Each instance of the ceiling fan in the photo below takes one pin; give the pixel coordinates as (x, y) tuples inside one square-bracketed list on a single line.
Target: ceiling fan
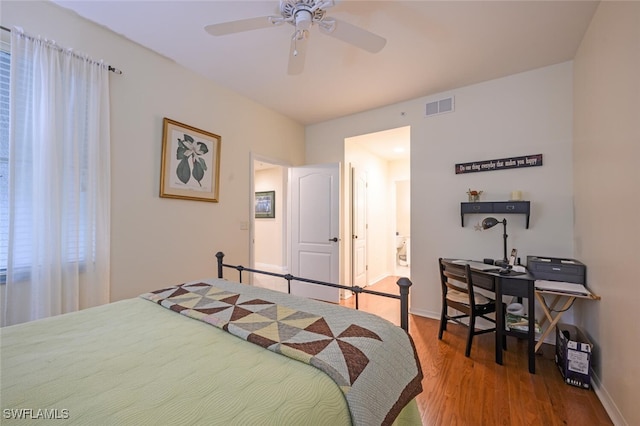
[(302, 15)]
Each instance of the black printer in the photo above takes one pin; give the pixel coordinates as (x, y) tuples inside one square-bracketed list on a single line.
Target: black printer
[(557, 269)]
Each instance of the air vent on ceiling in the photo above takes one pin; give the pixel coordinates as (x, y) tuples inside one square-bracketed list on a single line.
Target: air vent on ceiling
[(439, 107)]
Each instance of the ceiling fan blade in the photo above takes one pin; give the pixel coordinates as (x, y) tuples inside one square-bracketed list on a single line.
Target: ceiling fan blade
[(241, 25), (297, 55), (351, 34)]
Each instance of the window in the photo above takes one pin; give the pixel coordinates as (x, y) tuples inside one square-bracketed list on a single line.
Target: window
[(4, 161), (75, 224), (77, 236), (56, 240)]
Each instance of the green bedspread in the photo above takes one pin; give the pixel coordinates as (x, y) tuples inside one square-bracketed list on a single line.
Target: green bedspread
[(135, 363)]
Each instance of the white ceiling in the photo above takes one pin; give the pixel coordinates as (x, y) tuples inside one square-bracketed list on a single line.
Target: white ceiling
[(432, 46)]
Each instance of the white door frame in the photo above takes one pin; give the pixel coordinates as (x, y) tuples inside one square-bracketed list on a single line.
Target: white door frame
[(359, 227)]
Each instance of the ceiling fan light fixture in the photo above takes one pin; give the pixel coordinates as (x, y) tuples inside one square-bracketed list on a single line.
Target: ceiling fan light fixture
[(299, 12), (304, 19)]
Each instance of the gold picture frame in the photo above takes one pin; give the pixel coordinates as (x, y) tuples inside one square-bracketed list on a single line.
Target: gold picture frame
[(190, 163)]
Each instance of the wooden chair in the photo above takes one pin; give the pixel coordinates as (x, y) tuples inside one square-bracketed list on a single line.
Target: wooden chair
[(458, 293)]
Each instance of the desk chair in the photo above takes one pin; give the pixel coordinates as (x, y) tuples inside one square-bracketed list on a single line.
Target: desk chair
[(458, 293)]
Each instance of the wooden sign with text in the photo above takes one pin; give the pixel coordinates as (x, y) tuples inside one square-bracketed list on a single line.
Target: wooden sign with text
[(500, 164)]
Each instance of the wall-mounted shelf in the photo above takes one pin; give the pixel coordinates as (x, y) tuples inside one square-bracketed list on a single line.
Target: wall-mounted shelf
[(500, 207)]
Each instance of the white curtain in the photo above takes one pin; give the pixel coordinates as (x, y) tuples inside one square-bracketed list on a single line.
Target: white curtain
[(59, 182)]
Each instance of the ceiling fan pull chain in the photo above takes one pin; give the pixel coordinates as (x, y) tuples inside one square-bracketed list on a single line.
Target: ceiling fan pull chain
[(295, 43), (298, 35)]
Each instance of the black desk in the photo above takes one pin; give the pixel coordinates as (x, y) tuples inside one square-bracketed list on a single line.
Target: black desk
[(507, 285)]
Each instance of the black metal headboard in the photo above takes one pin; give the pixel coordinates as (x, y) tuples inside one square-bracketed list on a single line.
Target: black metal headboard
[(403, 285)]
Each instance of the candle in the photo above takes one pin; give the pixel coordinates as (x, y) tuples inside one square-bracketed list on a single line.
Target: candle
[(516, 195)]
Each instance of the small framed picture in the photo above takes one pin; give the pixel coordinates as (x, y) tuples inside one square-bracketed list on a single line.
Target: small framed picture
[(512, 258), (190, 163), (265, 205)]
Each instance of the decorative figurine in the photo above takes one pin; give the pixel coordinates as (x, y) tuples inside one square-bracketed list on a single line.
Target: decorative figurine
[(474, 195)]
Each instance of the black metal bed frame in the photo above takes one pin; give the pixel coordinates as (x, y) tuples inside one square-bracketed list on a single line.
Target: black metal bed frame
[(403, 285)]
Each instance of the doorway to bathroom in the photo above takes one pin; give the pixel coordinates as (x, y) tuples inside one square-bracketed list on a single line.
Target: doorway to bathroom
[(382, 161)]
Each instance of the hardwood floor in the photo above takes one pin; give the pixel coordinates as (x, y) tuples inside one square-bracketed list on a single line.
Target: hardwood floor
[(477, 391)]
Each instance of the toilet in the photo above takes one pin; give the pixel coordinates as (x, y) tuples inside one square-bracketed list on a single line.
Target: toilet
[(402, 250)]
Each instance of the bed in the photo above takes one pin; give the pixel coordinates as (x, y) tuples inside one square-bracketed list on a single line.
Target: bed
[(210, 352)]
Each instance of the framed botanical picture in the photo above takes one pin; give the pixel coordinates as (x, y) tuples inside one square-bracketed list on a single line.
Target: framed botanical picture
[(190, 163), (265, 205)]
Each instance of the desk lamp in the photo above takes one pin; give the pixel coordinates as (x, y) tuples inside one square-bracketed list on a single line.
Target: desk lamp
[(490, 222)]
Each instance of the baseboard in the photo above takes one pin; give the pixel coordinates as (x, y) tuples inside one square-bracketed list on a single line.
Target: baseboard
[(379, 278), (426, 314), (607, 402)]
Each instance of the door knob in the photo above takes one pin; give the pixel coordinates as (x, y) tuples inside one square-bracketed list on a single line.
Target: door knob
[(334, 239)]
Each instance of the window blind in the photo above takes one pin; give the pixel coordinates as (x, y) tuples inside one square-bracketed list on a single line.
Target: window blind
[(4, 160)]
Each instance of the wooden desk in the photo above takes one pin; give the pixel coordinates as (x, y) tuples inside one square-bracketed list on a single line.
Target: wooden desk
[(522, 286)]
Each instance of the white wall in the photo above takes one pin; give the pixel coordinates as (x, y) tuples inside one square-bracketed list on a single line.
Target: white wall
[(607, 199), (156, 241), (400, 170), (527, 113)]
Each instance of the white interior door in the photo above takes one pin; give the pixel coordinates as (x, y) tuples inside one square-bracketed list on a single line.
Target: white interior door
[(358, 228), (315, 214)]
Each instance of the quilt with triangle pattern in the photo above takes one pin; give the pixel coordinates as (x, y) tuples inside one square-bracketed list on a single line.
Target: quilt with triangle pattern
[(372, 361)]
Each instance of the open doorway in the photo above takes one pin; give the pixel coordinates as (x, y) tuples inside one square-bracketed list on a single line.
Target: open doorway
[(268, 245), (295, 226), (384, 158)]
